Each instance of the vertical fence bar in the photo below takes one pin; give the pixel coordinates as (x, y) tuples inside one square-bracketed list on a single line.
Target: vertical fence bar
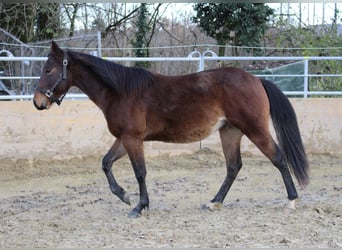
[(201, 64), (306, 77), (201, 60), (99, 47)]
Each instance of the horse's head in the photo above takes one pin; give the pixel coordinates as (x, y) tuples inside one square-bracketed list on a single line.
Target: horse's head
[(54, 81)]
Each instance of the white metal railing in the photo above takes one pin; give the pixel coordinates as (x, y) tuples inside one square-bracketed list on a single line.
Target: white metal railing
[(200, 58), (306, 74)]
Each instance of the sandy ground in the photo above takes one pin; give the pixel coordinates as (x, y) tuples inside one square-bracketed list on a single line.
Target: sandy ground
[(69, 204)]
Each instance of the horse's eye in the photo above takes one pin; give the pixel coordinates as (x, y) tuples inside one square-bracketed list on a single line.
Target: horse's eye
[(47, 71)]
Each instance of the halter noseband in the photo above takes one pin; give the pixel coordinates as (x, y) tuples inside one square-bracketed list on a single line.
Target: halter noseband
[(62, 76)]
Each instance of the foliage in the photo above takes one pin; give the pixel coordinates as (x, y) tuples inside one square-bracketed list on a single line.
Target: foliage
[(47, 21), (19, 26), (30, 21), (71, 10), (126, 26), (146, 28), (315, 41), (239, 24), (140, 43)]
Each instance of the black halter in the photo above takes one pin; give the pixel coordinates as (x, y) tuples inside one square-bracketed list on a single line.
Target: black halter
[(62, 76)]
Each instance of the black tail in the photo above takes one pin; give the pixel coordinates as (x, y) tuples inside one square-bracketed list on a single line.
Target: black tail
[(287, 131)]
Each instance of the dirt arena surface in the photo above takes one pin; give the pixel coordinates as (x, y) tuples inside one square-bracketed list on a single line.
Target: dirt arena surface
[(69, 204)]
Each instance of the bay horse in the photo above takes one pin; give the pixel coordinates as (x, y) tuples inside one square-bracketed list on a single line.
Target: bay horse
[(140, 105)]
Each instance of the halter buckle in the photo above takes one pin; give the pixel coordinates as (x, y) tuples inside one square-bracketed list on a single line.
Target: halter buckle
[(48, 93)]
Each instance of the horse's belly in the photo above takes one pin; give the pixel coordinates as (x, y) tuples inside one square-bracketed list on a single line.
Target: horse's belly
[(186, 133)]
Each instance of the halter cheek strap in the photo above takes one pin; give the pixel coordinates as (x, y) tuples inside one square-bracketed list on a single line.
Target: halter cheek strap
[(62, 77)]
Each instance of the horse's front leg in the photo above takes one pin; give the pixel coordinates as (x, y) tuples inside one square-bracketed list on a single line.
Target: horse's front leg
[(115, 152), (135, 152)]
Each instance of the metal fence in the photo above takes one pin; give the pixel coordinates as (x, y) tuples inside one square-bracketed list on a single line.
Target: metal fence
[(201, 59)]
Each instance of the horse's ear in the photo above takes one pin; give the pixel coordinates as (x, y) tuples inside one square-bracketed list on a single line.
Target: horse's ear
[(56, 50)]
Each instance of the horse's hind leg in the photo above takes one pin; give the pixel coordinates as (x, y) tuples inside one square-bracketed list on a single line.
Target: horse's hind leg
[(280, 162), (268, 146), (230, 139), (115, 152)]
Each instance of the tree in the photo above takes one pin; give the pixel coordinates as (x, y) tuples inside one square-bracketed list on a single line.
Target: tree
[(18, 19), (319, 40), (239, 24), (48, 25), (30, 22), (146, 28), (140, 44), (71, 10)]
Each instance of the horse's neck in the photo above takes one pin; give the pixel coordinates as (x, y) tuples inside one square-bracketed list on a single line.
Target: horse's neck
[(90, 85)]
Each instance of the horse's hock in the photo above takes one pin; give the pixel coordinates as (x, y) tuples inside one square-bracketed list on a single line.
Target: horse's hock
[(78, 129)]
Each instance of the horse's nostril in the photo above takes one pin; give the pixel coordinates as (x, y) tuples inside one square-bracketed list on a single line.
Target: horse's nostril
[(39, 107)]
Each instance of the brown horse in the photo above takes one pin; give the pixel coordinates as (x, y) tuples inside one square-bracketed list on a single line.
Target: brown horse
[(140, 105)]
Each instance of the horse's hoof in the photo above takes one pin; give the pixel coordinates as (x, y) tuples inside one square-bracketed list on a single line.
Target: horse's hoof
[(291, 205), (133, 214), (212, 206), (125, 199)]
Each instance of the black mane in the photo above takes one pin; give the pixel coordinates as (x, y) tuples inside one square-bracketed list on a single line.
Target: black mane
[(125, 80)]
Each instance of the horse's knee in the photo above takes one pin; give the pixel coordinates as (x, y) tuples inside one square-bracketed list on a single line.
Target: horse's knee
[(233, 169), (106, 163)]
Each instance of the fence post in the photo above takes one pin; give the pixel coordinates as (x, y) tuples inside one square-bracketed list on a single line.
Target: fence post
[(306, 77), (210, 52), (197, 53), (99, 43)]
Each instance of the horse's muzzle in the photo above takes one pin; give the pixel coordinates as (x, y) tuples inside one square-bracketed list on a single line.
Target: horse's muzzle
[(39, 107), (40, 101)]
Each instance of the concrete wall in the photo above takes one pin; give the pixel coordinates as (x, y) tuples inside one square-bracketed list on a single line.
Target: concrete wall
[(78, 129)]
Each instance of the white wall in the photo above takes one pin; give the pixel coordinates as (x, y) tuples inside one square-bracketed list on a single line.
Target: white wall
[(78, 129)]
